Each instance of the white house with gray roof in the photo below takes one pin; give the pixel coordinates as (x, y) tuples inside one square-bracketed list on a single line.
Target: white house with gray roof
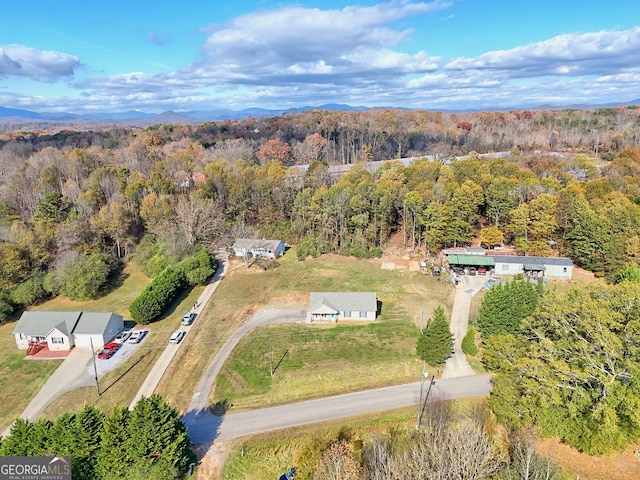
[(551, 267), (65, 330), (334, 306), (258, 247)]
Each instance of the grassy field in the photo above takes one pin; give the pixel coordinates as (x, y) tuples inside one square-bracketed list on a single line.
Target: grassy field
[(316, 361), (20, 379), (390, 342), (384, 354)]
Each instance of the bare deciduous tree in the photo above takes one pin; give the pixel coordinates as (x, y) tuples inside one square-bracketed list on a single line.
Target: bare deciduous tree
[(338, 462), (199, 220), (525, 463)]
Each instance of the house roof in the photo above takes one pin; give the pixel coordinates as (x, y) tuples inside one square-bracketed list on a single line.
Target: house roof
[(93, 322), (42, 322), (560, 261), (474, 250), (253, 243), (470, 260), (341, 301)]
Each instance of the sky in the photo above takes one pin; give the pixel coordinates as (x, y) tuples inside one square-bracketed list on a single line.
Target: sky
[(83, 56)]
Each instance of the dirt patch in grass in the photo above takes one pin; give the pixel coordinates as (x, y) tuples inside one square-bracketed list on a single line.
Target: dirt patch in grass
[(621, 466)]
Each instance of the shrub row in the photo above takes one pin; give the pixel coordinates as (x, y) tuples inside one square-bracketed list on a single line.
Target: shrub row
[(164, 289), (157, 296)]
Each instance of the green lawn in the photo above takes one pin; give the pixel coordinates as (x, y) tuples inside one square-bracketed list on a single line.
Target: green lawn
[(314, 361), (20, 379), (244, 291), (320, 359)]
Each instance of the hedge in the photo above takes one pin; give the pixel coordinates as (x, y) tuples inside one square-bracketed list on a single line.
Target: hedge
[(158, 295)]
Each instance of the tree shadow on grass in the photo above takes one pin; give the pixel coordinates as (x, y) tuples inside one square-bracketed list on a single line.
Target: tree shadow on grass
[(114, 282), (171, 308), (219, 409)]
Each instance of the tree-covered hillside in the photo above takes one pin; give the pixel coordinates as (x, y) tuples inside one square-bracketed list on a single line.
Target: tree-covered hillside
[(74, 205)]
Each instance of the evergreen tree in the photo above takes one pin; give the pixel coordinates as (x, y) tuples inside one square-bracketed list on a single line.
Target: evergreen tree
[(156, 433), (21, 442), (87, 430), (113, 458), (61, 436), (435, 343), (505, 306), (469, 342)]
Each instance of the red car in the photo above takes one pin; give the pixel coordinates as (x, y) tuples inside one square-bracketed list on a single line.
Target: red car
[(108, 350)]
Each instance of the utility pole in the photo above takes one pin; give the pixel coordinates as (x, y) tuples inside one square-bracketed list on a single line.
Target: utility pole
[(422, 319), (95, 368), (271, 358), (425, 374)]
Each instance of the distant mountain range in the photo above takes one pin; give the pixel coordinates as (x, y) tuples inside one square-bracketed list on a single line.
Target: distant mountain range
[(135, 117)]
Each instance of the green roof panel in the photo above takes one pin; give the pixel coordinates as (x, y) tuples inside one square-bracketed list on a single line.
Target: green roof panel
[(471, 260)]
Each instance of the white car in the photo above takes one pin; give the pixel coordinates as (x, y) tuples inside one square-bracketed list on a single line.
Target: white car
[(137, 336), (177, 336), (122, 336)]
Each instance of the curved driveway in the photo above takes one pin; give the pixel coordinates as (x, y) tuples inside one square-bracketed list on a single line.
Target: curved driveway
[(206, 430), (264, 317)]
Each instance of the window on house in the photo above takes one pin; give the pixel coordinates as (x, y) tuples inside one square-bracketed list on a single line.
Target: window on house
[(363, 314), (23, 336), (564, 269), (505, 267), (57, 340), (347, 314)]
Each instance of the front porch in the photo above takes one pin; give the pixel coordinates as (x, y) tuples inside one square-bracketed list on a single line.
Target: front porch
[(44, 353)]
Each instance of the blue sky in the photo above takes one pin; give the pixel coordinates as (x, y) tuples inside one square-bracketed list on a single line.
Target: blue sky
[(85, 56)]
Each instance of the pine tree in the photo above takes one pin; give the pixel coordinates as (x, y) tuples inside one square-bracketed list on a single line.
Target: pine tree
[(21, 441), (113, 459), (435, 343), (505, 306), (87, 431), (156, 433)]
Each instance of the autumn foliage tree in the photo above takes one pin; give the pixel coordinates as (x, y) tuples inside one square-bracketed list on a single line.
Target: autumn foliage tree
[(275, 150)]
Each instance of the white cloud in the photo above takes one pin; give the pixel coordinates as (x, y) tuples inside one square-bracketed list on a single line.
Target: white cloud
[(21, 61), (570, 54), (271, 44), (294, 56)]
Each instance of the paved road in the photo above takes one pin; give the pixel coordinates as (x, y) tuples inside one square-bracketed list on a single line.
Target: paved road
[(349, 405), (209, 433), (468, 286), (155, 375)]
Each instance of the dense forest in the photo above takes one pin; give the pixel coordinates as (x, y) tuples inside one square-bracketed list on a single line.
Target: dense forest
[(75, 205)]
